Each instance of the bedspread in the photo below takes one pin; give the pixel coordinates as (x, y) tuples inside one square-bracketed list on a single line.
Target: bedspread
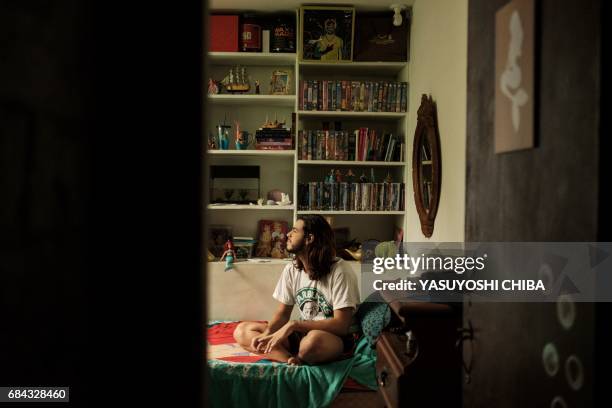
[(243, 379)]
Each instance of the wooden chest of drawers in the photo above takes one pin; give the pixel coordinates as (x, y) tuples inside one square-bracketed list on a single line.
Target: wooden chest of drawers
[(418, 362)]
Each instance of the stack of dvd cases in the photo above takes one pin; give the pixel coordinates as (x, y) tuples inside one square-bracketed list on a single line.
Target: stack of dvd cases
[(325, 196)]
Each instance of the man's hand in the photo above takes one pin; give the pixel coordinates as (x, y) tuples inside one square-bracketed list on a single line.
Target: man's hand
[(267, 343), (256, 341)]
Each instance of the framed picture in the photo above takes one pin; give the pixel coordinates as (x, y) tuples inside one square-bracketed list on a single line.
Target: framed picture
[(279, 84), (234, 184), (217, 237), (377, 39), (327, 33), (272, 239)]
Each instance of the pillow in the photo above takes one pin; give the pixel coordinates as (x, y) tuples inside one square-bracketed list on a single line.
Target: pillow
[(373, 316)]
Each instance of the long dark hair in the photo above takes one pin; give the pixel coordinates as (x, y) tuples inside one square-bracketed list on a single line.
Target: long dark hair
[(321, 253)]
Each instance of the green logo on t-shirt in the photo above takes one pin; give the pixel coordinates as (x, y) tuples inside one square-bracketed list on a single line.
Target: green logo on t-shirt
[(312, 303)]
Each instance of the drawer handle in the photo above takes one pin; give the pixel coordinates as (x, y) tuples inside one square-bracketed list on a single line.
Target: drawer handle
[(382, 378)]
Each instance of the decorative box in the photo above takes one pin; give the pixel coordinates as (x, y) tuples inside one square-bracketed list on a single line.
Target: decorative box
[(223, 33)]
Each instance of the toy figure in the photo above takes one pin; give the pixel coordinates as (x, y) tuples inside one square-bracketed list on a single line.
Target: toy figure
[(330, 178), (257, 87), (363, 178), (212, 142), (350, 176), (338, 176), (213, 89), (229, 255), (388, 179)]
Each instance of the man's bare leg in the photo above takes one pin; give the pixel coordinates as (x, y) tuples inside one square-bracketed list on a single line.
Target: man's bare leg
[(244, 334), (319, 346)]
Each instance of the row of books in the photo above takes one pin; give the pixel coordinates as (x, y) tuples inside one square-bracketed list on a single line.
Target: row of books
[(358, 96), (273, 139), (324, 196), (362, 144)]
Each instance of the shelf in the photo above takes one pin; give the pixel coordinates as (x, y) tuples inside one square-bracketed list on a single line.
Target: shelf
[(252, 58), (370, 69), (250, 207), (255, 261), (270, 100), (266, 153), (346, 114), (349, 163), (352, 212)]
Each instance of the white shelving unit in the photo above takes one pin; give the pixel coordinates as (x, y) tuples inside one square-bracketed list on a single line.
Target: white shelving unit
[(237, 100), (263, 153), (282, 169), (349, 163), (249, 207)]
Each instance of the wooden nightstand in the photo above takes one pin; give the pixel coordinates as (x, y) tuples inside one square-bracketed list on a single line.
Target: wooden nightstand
[(418, 362)]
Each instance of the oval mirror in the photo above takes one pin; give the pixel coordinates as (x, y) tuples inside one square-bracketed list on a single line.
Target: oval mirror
[(426, 165)]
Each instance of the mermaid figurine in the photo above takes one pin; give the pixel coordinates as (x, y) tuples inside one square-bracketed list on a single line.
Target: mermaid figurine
[(229, 255)]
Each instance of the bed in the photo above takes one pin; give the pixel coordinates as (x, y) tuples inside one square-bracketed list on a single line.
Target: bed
[(243, 379)]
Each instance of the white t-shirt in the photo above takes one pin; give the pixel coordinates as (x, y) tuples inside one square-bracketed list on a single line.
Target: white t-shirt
[(317, 299)]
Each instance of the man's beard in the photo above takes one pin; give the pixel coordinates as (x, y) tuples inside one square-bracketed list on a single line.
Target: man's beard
[(296, 249)]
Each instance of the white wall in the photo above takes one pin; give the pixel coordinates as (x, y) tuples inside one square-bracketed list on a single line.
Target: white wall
[(438, 67)]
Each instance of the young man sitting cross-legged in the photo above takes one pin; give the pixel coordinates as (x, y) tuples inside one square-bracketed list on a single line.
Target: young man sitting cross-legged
[(326, 293)]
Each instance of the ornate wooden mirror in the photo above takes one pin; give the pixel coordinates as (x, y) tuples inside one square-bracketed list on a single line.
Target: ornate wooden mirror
[(426, 165)]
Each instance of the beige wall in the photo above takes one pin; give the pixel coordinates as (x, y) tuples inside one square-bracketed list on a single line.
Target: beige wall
[(245, 293), (438, 67)]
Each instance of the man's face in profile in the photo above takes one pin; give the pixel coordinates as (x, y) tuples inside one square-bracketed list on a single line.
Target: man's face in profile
[(295, 238)]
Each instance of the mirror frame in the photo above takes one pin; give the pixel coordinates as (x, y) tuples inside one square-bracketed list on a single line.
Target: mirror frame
[(427, 127)]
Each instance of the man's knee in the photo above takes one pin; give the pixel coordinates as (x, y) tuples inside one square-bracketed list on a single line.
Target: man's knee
[(311, 345), (240, 333)]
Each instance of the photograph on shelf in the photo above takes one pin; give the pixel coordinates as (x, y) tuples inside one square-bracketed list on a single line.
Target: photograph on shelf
[(327, 33), (272, 239), (218, 235), (279, 83)]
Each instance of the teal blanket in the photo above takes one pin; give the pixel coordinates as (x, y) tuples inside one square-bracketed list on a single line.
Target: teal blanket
[(280, 385)]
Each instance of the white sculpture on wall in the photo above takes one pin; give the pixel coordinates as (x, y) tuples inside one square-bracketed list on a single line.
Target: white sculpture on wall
[(510, 80)]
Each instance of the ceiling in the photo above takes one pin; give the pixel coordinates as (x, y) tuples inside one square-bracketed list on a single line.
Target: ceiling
[(290, 5)]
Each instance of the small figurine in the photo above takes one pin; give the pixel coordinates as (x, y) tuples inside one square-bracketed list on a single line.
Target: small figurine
[(212, 142), (285, 199), (363, 178), (388, 179), (213, 89), (257, 87), (229, 255), (350, 176), (330, 177), (338, 176)]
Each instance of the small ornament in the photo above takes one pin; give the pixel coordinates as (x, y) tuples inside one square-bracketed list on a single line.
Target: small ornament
[(363, 178), (257, 87), (229, 254), (212, 142), (338, 176), (388, 179), (350, 176), (213, 88)]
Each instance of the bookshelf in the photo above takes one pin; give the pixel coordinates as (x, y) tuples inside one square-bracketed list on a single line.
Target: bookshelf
[(285, 169)]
